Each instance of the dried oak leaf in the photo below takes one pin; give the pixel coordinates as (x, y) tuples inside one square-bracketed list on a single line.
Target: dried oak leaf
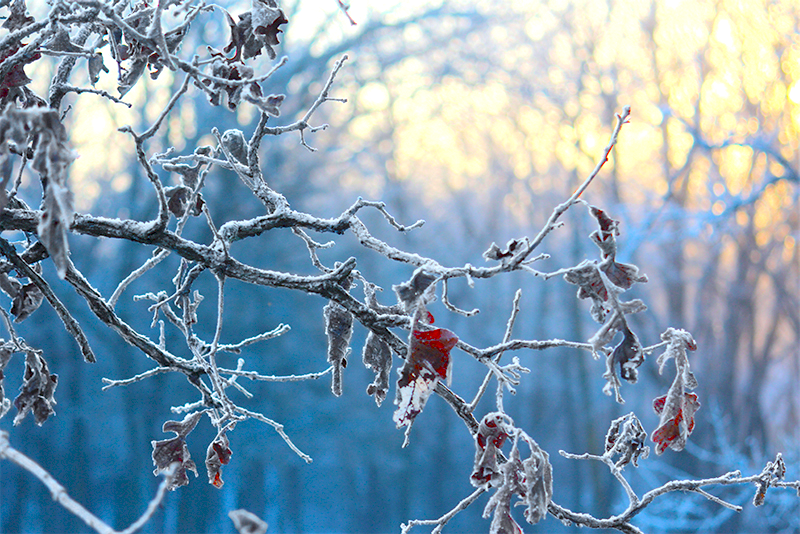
[(179, 199), (15, 76), (494, 429), (9, 285), (217, 455), (26, 301), (168, 451), (427, 363), (377, 356), (622, 275), (61, 41), (137, 56), (409, 293), (19, 17), (95, 66), (628, 355), (234, 142), (36, 391), (256, 30), (677, 420), (271, 105), (224, 68), (500, 503), (247, 522), (626, 436), (772, 472), (505, 255), (538, 482), (339, 328), (590, 285), (530, 479)]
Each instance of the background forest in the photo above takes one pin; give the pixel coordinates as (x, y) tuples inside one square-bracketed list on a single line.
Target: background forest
[(477, 117)]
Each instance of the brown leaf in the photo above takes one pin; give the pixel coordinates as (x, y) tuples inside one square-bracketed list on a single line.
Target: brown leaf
[(628, 355), (37, 390), (377, 356), (168, 451), (626, 436), (677, 420), (409, 293), (7, 349), (339, 328), (19, 17), (26, 301)]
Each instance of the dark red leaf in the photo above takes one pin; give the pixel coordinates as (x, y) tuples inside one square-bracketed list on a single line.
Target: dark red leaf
[(428, 362), (217, 455), (493, 431)]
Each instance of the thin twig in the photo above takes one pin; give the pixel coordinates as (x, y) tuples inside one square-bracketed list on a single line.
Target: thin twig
[(278, 428)]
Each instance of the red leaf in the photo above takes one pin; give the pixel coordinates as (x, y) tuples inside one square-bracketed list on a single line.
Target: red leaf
[(492, 433), (428, 362), (217, 455), (670, 432)]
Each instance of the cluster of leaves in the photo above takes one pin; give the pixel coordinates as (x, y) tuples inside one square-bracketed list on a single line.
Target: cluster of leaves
[(531, 480), (603, 281), (37, 392)]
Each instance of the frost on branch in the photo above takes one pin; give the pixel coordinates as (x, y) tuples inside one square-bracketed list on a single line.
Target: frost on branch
[(217, 455), (677, 408), (427, 363), (339, 328), (377, 356), (168, 451)]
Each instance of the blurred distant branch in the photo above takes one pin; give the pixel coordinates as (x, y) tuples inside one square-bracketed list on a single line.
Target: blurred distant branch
[(60, 495)]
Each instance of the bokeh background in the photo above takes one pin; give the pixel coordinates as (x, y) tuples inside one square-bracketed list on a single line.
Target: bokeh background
[(478, 117)]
